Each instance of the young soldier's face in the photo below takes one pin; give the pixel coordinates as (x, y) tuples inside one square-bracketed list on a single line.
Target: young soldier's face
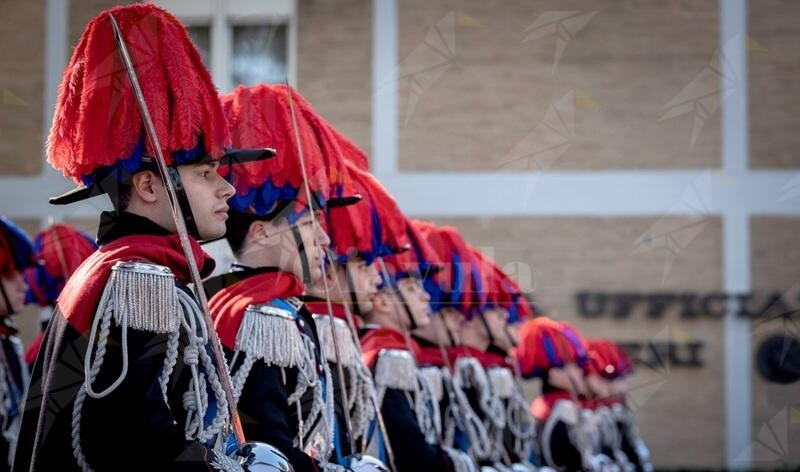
[(569, 378), (313, 241), (14, 287), (208, 194), (365, 283), (446, 319), (597, 385), (452, 319), (618, 387), (416, 299), (496, 319)]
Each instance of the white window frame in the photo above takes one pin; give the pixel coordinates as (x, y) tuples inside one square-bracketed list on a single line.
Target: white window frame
[(223, 15)]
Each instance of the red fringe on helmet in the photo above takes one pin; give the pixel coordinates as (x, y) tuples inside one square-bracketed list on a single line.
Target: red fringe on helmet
[(336, 149), (97, 121), (424, 255), (456, 247), (500, 290), (543, 344), (393, 235), (350, 227), (59, 250), (260, 116), (607, 359)]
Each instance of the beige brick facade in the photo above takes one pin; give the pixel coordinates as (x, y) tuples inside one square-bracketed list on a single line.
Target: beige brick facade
[(486, 86), (679, 409), (334, 69), (774, 89), (496, 102), (21, 84), (776, 408)]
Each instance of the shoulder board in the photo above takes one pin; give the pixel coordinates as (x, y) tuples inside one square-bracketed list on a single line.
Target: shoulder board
[(468, 372), (396, 369), (270, 332), (295, 303), (348, 351), (433, 377), (565, 411), (274, 308), (145, 295), (502, 381)]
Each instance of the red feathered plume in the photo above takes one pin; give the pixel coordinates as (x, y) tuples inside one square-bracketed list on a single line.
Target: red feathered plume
[(413, 260), (97, 122), (16, 250), (524, 308), (607, 359), (501, 290), (440, 253), (544, 344), (424, 255), (464, 290), (59, 250), (440, 286), (336, 149), (260, 116), (350, 227), (392, 221)]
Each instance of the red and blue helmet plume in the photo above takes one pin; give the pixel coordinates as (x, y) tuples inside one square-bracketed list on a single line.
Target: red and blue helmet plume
[(338, 152), (501, 290), (427, 259), (522, 308), (457, 284), (16, 250), (545, 344), (97, 127), (607, 359), (58, 251), (260, 116), (418, 260), (388, 221), (577, 341), (350, 227), (439, 284)]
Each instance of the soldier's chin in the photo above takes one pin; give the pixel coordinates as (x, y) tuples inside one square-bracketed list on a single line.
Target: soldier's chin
[(365, 307), (423, 321), (211, 231)]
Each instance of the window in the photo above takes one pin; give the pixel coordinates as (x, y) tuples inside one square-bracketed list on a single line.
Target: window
[(259, 54), (242, 42), (201, 36)]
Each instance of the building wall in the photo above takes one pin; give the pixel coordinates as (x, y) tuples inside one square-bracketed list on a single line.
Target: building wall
[(21, 83), (774, 91), (498, 86), (335, 69), (677, 408), (477, 92), (776, 407)]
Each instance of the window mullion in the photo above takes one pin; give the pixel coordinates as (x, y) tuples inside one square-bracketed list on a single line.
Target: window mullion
[(221, 47)]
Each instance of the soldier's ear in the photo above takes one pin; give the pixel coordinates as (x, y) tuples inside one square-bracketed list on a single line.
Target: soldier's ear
[(145, 185), (260, 232)]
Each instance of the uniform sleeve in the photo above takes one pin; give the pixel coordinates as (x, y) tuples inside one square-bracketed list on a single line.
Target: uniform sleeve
[(265, 412), (134, 425), (411, 451)]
